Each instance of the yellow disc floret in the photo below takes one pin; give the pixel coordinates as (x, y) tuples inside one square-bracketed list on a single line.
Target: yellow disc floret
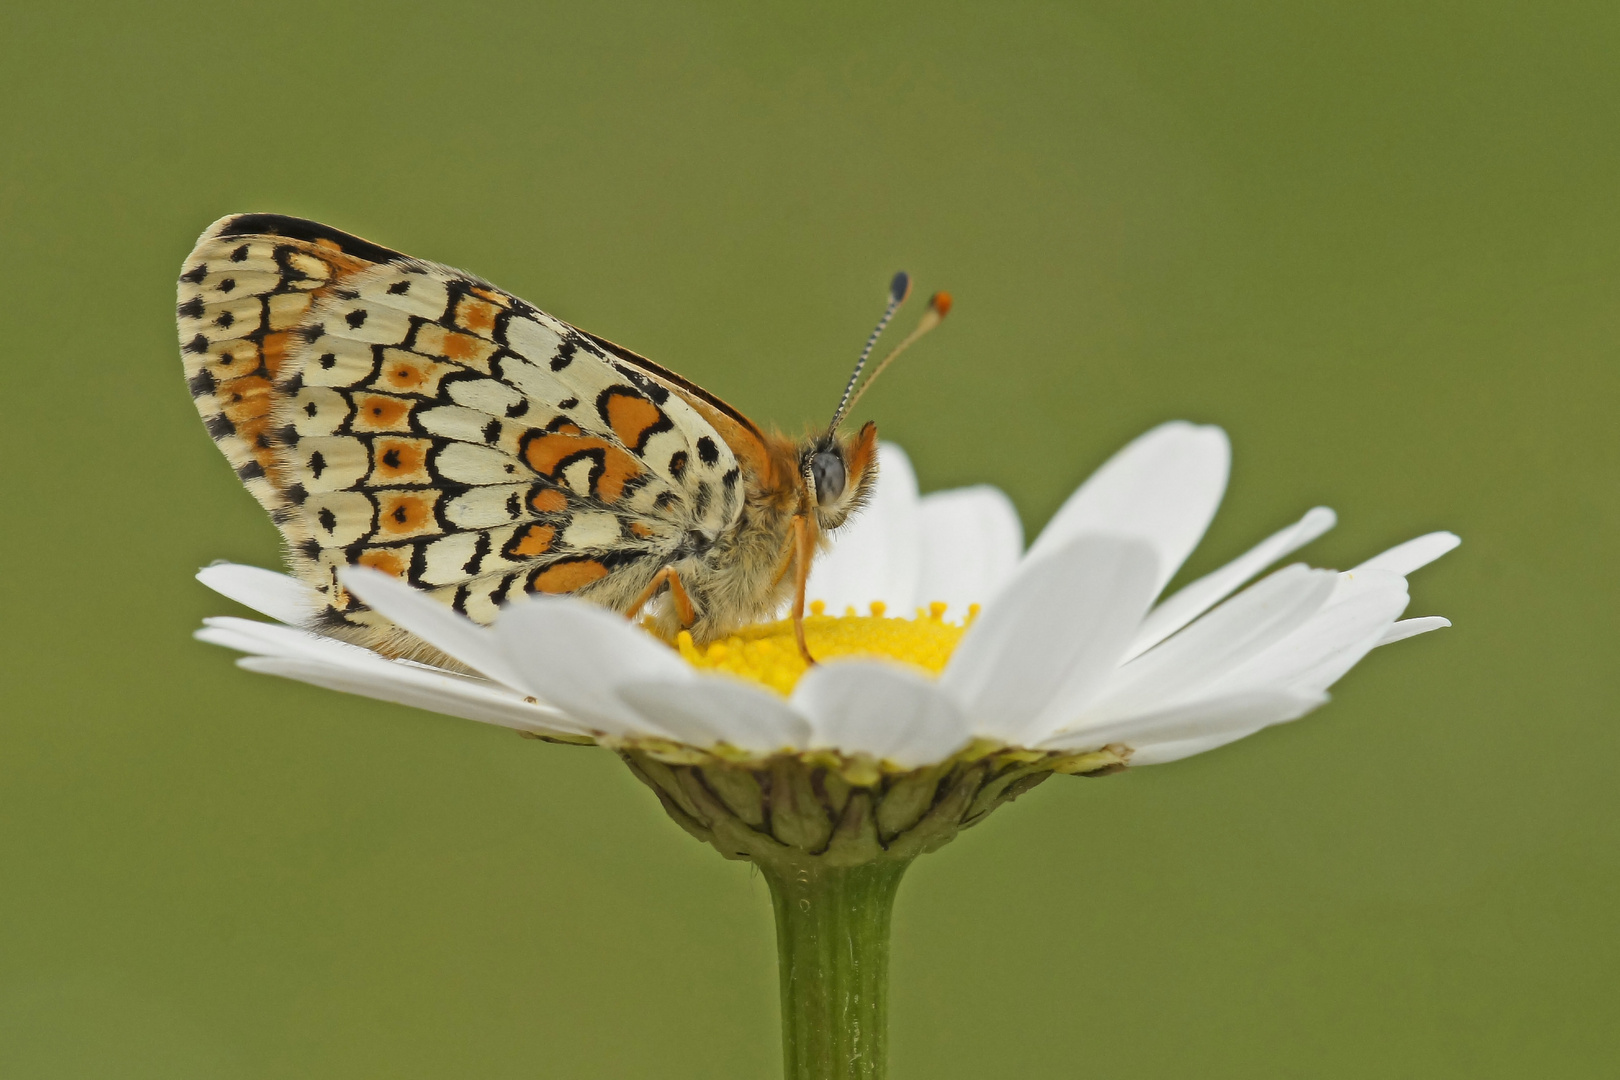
[(767, 653)]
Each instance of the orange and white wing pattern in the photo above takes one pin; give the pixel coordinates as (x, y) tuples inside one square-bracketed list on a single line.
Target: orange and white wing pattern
[(402, 415)]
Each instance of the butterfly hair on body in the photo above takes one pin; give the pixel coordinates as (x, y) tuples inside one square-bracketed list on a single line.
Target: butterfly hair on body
[(401, 415)]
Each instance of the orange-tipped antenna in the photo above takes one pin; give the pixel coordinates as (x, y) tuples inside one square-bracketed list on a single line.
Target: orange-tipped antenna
[(899, 289), (939, 306)]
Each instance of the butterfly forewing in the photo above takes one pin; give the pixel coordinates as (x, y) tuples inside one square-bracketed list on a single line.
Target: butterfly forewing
[(403, 415)]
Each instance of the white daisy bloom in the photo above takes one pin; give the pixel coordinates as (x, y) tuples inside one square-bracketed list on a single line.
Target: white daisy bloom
[(1066, 650)]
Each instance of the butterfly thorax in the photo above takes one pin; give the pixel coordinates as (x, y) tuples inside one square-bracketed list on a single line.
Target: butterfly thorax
[(744, 576), (739, 576)]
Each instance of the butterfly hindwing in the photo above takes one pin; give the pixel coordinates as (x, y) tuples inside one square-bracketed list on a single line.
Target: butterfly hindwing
[(403, 415)]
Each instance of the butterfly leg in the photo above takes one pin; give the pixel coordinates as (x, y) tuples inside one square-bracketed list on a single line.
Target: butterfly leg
[(677, 593), (803, 549)]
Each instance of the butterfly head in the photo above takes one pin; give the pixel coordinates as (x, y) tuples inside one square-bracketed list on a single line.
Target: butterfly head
[(838, 473)]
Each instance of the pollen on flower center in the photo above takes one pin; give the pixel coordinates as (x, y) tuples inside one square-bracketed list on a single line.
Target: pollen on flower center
[(767, 653)]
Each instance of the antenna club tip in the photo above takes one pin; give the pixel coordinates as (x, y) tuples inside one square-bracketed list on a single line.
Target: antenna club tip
[(900, 287), (941, 303)]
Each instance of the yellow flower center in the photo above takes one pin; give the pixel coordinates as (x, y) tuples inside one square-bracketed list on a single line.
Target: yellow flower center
[(768, 654)]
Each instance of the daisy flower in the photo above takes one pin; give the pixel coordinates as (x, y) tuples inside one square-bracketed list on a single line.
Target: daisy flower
[(1059, 649)]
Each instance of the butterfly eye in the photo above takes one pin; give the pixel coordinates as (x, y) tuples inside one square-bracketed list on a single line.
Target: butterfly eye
[(828, 468)]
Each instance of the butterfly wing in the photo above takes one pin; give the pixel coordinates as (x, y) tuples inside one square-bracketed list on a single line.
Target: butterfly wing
[(398, 414)]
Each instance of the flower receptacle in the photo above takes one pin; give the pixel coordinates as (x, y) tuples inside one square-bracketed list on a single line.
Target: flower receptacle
[(819, 810)]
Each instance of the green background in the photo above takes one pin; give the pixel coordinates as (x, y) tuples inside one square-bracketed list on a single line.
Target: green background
[(1378, 242)]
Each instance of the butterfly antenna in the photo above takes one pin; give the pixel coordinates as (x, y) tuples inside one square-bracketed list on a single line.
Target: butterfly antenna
[(939, 306), (899, 289)]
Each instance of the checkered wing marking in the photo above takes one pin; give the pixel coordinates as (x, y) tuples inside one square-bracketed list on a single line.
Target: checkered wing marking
[(403, 415)]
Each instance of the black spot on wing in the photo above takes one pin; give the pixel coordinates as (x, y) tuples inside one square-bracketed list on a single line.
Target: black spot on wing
[(195, 275), (677, 464), (480, 549), (564, 354), (498, 596), (707, 451), (418, 566), (191, 309)]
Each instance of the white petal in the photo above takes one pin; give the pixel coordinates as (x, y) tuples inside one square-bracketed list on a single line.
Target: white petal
[(431, 621), (971, 540), (874, 556), (274, 639), (421, 688), (1406, 628), (1166, 752), (1238, 630), (880, 709), (714, 709), (575, 655), (1405, 558), (1194, 599), (1163, 487), (1201, 719), (281, 597), (1313, 657), (1054, 634)]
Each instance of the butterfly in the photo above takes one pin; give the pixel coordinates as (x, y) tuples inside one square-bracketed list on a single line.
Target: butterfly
[(409, 417)]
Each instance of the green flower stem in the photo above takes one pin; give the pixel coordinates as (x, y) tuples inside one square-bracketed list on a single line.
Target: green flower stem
[(832, 946)]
